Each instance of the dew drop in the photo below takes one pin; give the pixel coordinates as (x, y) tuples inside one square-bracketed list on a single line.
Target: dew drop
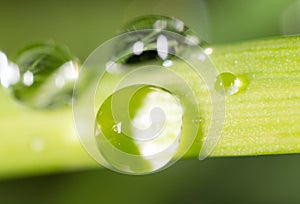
[(117, 127), (143, 45), (47, 71), (229, 83), (126, 139)]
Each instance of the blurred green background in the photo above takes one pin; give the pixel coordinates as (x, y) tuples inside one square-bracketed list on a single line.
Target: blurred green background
[(83, 26)]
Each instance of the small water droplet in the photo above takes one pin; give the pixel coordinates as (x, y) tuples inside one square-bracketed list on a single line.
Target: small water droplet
[(117, 127), (229, 83)]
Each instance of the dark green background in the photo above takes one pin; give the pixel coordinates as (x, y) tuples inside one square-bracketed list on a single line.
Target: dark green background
[(84, 25)]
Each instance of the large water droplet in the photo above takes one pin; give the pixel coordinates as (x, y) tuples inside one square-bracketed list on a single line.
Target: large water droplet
[(150, 138), (47, 72), (228, 83)]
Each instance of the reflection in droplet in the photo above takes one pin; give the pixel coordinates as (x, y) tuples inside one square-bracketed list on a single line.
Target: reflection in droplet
[(208, 51), (28, 78), (162, 47), (229, 83), (138, 47), (10, 75), (168, 63)]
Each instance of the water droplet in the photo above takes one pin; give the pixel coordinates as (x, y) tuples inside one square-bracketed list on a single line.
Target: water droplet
[(143, 46), (48, 73), (144, 117), (229, 83), (117, 127)]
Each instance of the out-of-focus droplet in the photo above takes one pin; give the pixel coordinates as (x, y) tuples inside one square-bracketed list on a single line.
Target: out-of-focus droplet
[(47, 72)]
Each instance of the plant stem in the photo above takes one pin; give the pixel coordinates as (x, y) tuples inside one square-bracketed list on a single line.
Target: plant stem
[(264, 118)]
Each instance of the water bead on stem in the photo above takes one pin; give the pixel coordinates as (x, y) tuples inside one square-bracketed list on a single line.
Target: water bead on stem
[(47, 72)]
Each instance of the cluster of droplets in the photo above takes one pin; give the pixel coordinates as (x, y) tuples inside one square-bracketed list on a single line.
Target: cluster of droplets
[(147, 115), (148, 135)]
